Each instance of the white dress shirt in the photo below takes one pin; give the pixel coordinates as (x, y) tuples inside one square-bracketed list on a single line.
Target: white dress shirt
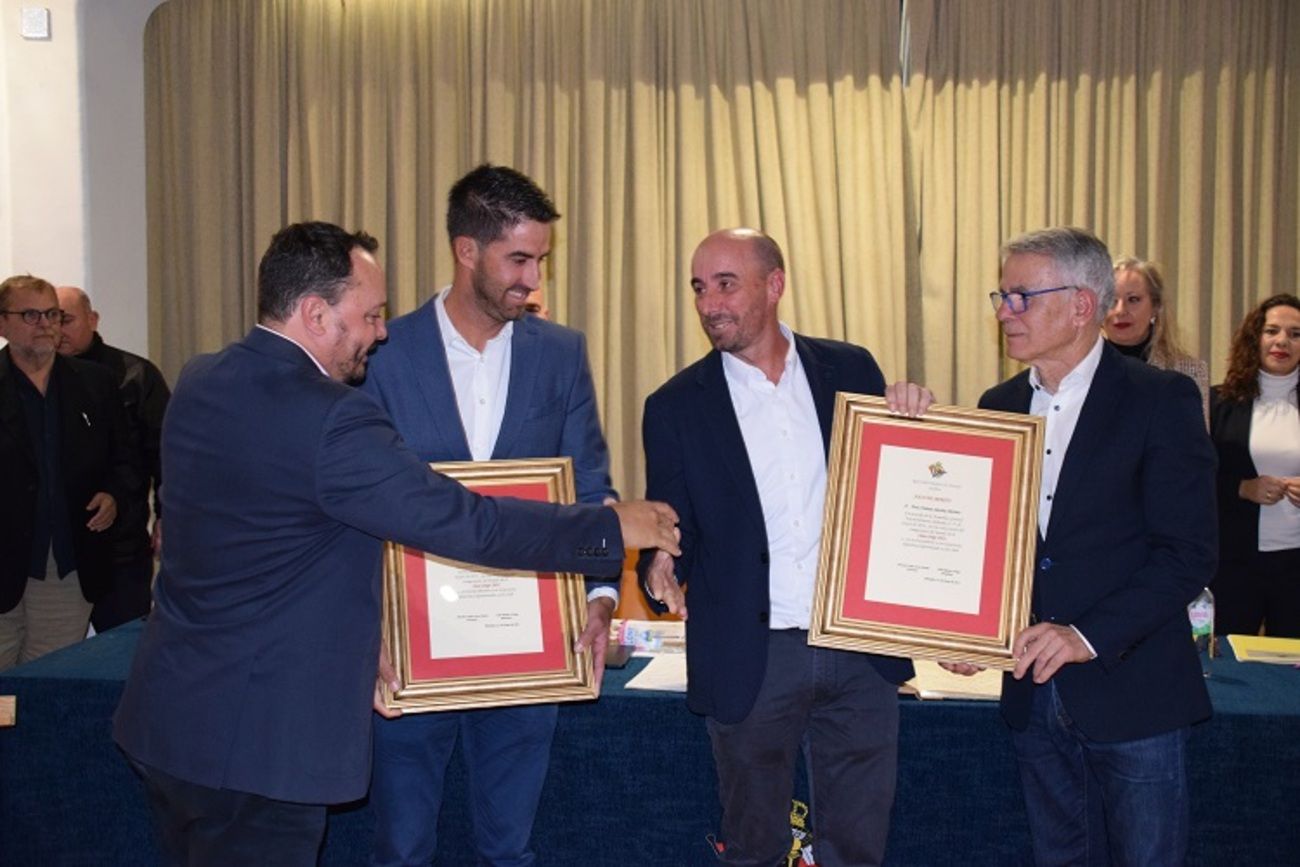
[(784, 442), (481, 380), (1061, 410)]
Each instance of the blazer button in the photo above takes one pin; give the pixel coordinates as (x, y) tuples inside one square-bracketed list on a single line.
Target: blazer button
[(764, 559), (762, 617), (1045, 564)]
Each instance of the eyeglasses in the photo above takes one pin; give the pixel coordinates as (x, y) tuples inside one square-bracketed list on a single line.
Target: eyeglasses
[(1018, 301), (34, 317)]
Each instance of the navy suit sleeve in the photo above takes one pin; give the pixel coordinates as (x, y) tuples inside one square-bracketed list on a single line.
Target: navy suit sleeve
[(666, 481), (1177, 491), (367, 478)]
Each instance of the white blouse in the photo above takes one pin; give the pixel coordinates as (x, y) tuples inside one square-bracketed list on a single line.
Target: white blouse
[(1275, 449)]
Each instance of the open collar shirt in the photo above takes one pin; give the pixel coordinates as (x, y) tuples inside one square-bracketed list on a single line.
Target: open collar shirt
[(481, 380), (783, 439)]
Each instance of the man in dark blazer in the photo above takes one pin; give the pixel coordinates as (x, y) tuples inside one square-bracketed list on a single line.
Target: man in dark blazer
[(67, 466), (248, 705), (737, 444), (469, 377), (144, 395), (1107, 680)]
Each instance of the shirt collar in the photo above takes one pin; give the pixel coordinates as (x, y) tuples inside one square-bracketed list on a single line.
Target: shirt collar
[(743, 371), (1080, 375), (284, 336), (451, 338)]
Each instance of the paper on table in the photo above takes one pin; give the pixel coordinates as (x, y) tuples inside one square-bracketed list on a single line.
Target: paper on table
[(932, 681), (1259, 648), (663, 673)]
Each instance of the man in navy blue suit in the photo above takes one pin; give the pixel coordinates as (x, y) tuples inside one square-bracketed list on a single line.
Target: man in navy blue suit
[(468, 376), (737, 444), (1107, 680), (248, 705)]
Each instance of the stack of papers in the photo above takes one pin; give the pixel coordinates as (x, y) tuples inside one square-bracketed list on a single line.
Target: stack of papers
[(663, 673), (1258, 648), (932, 681)]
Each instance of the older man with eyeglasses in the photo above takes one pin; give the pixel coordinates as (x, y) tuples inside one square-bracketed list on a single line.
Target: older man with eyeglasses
[(1107, 681), (63, 447)]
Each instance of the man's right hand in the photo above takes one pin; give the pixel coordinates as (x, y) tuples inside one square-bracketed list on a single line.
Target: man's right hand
[(647, 524), (661, 581)]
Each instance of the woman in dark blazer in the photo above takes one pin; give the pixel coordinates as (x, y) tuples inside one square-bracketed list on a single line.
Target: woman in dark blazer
[(1255, 425)]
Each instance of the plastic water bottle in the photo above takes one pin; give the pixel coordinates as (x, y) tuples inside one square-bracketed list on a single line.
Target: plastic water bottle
[(1201, 613)]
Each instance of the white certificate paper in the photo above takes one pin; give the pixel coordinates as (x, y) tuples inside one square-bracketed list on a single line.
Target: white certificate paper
[(474, 613), (928, 529)]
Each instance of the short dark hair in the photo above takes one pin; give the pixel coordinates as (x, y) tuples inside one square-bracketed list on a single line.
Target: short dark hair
[(311, 258), (491, 199), (22, 282)]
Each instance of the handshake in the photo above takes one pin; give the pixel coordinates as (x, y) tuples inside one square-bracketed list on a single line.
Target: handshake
[(648, 524)]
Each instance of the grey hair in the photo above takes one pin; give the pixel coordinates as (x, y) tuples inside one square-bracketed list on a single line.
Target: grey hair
[(1080, 256)]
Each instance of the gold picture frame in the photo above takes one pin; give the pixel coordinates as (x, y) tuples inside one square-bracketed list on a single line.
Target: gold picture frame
[(520, 635), (929, 532)]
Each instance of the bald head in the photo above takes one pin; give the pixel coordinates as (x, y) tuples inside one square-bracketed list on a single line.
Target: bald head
[(79, 320), (738, 277), (765, 252)]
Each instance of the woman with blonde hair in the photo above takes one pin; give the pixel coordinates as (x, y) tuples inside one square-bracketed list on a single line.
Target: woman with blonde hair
[(1139, 324)]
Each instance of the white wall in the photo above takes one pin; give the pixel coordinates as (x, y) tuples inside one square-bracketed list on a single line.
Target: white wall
[(72, 197)]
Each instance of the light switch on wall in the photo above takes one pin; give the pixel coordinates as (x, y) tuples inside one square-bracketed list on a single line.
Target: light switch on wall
[(35, 22)]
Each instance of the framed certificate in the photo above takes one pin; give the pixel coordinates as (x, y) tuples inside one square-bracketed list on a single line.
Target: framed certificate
[(465, 636), (929, 532)]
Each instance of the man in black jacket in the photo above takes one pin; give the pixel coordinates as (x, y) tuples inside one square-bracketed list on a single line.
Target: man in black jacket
[(62, 444), (144, 397)]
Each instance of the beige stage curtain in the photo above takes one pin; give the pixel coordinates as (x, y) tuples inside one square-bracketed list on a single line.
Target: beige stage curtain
[(1169, 127), (889, 151), (650, 122)]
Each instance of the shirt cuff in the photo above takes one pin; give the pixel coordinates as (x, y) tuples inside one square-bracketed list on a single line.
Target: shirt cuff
[(606, 592), (1086, 642)]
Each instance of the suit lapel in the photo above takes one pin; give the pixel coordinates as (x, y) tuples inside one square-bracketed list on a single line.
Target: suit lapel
[(1093, 432), (525, 361), (11, 407), (428, 358), (821, 382), (727, 441)]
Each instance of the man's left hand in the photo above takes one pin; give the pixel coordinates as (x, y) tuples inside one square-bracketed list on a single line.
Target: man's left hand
[(1047, 647), (908, 398), (105, 511), (596, 635)]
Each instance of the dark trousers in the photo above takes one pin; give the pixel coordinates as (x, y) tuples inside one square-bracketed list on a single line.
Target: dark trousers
[(1262, 591), (507, 751), (203, 827), (129, 597), (836, 707), (1092, 803)]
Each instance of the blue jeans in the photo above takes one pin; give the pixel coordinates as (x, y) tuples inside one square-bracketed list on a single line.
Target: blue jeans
[(507, 751), (1093, 803)]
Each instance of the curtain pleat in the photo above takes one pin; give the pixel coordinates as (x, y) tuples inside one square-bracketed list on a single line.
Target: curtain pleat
[(890, 148)]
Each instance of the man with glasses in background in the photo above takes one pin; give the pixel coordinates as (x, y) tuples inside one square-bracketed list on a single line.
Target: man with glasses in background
[(1107, 682), (63, 444)]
